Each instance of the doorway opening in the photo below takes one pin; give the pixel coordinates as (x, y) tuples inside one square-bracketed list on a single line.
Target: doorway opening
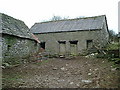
[(62, 47), (42, 44), (73, 47), (89, 44)]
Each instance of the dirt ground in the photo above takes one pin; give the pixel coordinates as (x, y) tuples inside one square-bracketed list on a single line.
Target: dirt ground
[(79, 72)]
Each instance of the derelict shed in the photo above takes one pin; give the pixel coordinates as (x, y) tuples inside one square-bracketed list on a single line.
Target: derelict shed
[(72, 36), (17, 42)]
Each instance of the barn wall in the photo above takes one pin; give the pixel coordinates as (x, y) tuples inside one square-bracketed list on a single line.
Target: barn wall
[(99, 38), (104, 34), (14, 49)]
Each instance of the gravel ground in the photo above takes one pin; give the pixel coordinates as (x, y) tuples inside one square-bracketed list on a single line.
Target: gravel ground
[(79, 72)]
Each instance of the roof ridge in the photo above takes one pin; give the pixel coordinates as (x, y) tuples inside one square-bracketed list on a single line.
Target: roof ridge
[(71, 19), (3, 14), (15, 27)]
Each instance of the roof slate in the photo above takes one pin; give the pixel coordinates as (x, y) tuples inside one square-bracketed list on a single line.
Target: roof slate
[(12, 26), (87, 23)]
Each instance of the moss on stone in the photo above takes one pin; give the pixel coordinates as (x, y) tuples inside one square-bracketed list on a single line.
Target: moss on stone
[(10, 40)]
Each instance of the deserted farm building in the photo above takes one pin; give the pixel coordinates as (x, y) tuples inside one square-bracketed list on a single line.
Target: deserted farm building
[(72, 36), (16, 40)]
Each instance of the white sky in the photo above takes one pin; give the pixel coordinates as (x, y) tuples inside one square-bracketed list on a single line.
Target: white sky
[(32, 11)]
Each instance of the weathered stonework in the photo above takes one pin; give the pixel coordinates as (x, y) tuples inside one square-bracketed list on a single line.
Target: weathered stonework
[(16, 49), (18, 43)]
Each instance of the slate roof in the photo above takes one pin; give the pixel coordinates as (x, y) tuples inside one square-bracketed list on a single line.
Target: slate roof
[(12, 26), (79, 24)]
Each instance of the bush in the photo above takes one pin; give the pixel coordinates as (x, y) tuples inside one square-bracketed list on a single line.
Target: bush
[(115, 60), (112, 46)]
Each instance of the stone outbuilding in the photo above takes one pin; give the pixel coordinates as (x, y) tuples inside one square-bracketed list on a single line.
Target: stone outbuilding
[(16, 40), (72, 36)]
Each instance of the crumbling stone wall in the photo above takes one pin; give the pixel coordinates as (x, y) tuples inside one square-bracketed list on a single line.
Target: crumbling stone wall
[(16, 49), (17, 42)]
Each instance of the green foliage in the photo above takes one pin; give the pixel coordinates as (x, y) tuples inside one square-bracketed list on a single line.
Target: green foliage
[(12, 78), (10, 40), (101, 56), (113, 36), (13, 61), (111, 54), (112, 46), (115, 60), (42, 62), (5, 64)]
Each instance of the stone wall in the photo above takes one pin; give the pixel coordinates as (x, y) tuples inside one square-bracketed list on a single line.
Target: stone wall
[(15, 49), (100, 38)]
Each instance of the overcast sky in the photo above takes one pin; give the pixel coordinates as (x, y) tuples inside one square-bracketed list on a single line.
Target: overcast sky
[(32, 11)]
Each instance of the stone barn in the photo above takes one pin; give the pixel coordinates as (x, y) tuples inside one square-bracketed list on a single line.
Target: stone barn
[(16, 40), (72, 36)]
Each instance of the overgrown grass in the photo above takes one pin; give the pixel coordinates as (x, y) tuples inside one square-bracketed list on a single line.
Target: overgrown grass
[(8, 79), (111, 56), (113, 46), (12, 77)]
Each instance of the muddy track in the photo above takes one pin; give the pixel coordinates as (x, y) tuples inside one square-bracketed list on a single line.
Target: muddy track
[(78, 72)]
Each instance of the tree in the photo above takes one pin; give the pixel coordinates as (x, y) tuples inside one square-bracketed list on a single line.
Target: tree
[(113, 36), (55, 18)]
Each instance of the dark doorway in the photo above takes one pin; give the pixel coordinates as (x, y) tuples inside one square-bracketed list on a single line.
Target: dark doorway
[(42, 44), (9, 46), (73, 42), (73, 47), (62, 47), (89, 44)]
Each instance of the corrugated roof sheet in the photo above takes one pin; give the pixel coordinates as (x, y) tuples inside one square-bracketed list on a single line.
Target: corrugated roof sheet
[(87, 23), (12, 26)]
